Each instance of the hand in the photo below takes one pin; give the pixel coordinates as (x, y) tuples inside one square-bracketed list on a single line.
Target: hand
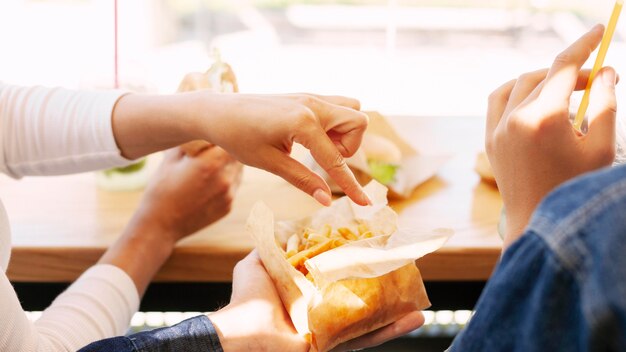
[(259, 130), (194, 187), (269, 327), (530, 140)]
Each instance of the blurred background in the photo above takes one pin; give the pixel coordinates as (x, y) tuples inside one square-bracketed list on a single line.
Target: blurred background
[(411, 57), (401, 57)]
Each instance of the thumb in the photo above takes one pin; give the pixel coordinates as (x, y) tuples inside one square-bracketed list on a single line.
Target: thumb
[(602, 112), (243, 274)]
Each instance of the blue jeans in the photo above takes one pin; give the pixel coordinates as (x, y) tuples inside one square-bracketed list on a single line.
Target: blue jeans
[(562, 285), (192, 335)]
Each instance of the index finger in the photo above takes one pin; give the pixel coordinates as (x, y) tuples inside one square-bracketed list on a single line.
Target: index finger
[(330, 159), (344, 125), (563, 74)]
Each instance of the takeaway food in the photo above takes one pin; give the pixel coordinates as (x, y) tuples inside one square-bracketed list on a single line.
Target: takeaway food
[(345, 270)]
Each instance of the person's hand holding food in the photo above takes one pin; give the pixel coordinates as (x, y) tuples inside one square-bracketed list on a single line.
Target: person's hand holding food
[(187, 193), (268, 326), (530, 140)]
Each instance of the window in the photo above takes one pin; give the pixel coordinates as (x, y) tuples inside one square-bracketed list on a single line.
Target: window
[(413, 57)]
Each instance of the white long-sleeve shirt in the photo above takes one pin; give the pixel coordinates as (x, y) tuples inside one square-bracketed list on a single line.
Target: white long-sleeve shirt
[(50, 132)]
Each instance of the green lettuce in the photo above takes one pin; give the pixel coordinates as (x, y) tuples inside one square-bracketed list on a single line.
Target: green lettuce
[(382, 172)]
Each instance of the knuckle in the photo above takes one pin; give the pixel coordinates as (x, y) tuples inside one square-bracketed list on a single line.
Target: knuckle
[(306, 99), (337, 163), (496, 97), (302, 181), (305, 117), (222, 185), (525, 77), (563, 58)]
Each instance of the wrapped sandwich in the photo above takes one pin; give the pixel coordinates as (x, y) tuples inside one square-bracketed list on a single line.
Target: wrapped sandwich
[(384, 156), (346, 270), (219, 78)]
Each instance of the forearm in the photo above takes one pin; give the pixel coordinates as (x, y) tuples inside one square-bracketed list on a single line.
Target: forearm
[(140, 252), (53, 131), (144, 124)]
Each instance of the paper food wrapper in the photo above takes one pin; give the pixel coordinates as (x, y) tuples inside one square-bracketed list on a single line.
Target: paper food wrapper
[(219, 78), (414, 169), (358, 287)]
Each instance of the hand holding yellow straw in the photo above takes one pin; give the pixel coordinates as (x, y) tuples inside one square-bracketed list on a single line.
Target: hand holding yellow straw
[(604, 48)]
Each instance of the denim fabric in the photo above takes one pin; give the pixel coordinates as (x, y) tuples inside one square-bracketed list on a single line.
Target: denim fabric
[(562, 286), (192, 335)]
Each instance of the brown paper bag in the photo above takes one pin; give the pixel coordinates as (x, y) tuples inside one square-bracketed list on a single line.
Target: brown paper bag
[(355, 288)]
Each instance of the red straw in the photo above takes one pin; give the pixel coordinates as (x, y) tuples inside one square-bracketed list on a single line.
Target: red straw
[(116, 83)]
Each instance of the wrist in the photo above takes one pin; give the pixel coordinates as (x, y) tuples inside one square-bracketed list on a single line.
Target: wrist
[(151, 234), (144, 124), (232, 339), (515, 225), (203, 112), (140, 252)]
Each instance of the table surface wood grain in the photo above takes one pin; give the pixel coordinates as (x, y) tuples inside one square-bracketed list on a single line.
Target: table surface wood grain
[(61, 225)]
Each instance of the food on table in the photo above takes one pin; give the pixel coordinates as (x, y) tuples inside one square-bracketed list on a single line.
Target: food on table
[(383, 158)]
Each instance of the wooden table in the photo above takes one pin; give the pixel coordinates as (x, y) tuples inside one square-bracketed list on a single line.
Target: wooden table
[(61, 225)]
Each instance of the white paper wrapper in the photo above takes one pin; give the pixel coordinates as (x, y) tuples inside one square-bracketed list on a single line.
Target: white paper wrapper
[(414, 169), (354, 274)]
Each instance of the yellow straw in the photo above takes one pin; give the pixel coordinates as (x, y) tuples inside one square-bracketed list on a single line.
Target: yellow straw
[(604, 48)]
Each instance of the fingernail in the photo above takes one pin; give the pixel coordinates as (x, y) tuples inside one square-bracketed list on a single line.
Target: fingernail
[(597, 27), (367, 199), (609, 78), (322, 197)]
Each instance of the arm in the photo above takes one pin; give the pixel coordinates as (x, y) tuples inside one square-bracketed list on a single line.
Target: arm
[(268, 326), (187, 194), (257, 130), (530, 140), (555, 287), (57, 131)]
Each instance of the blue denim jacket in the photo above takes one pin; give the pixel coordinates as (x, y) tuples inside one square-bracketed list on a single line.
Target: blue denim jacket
[(192, 335), (562, 286)]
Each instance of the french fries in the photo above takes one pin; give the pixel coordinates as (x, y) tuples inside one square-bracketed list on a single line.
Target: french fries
[(301, 247)]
